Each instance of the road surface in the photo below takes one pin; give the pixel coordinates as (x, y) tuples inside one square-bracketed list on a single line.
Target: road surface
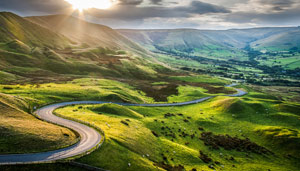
[(89, 137)]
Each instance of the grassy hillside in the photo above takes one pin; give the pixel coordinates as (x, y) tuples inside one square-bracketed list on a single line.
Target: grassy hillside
[(23, 133), (286, 41), (14, 27), (110, 90), (205, 43), (86, 33), (191, 42), (256, 132), (38, 49), (20, 127), (203, 136)]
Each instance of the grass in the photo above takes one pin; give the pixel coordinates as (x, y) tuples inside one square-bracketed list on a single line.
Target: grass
[(134, 142), (290, 94), (7, 77), (202, 79), (141, 138), (79, 89), (188, 93), (289, 62), (109, 90), (23, 133), (55, 52)]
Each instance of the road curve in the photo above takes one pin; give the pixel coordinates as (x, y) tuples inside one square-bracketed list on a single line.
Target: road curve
[(89, 137)]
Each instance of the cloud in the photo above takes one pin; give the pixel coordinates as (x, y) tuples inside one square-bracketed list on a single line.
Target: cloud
[(283, 18), (156, 2), (130, 2), (135, 13), (198, 7), (277, 5), (173, 13), (31, 6)]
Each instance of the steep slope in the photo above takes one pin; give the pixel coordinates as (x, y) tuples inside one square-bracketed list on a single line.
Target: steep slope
[(240, 38), (81, 31), (63, 47), (284, 41), (177, 41), (13, 27)]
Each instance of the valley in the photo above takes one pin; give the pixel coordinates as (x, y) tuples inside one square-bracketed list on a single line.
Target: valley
[(251, 55), (154, 99)]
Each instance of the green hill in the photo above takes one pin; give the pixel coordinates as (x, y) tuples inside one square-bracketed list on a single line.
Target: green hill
[(284, 41), (62, 47), (14, 27), (80, 31), (185, 41)]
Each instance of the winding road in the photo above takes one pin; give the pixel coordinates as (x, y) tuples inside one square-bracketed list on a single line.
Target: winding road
[(89, 137)]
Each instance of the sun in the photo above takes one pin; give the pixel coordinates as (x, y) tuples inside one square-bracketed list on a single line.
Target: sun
[(87, 4)]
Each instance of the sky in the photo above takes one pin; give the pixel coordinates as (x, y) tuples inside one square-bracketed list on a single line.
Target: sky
[(170, 14)]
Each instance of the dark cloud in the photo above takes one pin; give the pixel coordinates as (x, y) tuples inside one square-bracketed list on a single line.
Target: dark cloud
[(156, 2), (31, 6), (278, 5), (198, 7), (282, 18), (130, 2), (135, 13)]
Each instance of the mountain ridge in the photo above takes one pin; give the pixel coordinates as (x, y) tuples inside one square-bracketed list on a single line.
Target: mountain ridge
[(196, 42)]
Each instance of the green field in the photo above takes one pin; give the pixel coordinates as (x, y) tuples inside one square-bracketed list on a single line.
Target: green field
[(289, 62), (202, 79)]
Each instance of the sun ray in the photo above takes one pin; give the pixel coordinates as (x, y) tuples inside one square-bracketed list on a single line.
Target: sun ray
[(87, 4)]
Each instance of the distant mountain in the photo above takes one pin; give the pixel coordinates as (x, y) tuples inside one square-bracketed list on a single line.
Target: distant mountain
[(187, 41), (284, 41), (229, 43)]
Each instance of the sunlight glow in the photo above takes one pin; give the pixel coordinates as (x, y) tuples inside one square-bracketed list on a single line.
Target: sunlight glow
[(87, 4)]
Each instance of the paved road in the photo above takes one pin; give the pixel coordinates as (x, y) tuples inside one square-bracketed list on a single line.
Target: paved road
[(90, 138)]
